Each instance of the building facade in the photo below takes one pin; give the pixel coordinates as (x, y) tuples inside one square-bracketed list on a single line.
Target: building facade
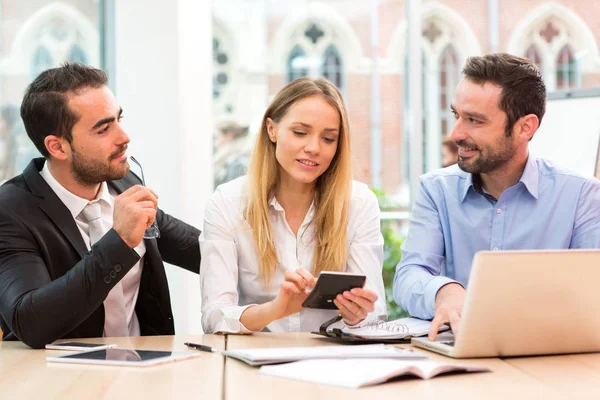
[(360, 45)]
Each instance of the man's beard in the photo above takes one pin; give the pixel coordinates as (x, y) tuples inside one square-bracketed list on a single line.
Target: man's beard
[(90, 172), (492, 161)]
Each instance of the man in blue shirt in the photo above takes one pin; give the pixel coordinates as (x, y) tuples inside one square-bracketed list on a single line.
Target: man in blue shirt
[(498, 196)]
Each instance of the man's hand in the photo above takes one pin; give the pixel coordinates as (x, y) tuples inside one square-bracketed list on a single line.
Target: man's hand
[(135, 210), (449, 302), (292, 292)]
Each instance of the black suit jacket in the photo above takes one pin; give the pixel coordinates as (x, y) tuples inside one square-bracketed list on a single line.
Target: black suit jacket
[(52, 287)]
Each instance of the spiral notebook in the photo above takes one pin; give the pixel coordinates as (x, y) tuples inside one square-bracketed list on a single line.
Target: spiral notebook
[(397, 331)]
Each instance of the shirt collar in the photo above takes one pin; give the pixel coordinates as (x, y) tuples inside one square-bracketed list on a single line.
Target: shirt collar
[(529, 179), (277, 206), (468, 184), (74, 203)]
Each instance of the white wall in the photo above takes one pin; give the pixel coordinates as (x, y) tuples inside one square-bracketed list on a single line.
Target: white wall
[(163, 82), (569, 133)]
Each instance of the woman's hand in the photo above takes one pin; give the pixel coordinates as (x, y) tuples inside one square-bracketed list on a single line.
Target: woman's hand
[(355, 304), (292, 292)]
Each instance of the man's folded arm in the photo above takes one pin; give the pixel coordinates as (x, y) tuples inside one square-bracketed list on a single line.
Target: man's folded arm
[(39, 310)]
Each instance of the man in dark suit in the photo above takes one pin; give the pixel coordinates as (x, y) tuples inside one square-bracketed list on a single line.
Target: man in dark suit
[(73, 259)]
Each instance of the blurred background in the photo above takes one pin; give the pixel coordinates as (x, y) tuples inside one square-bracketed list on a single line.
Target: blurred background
[(194, 77)]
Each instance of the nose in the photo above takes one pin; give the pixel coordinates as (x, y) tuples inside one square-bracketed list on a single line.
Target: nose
[(313, 144), (122, 137), (458, 132)]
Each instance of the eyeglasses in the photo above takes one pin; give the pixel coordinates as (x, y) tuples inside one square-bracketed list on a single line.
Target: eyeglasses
[(152, 231)]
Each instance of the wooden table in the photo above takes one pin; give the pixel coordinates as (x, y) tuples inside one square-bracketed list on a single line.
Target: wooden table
[(575, 376), (508, 381), (25, 374)]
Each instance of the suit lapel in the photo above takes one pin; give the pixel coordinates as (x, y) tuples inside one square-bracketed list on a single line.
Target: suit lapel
[(55, 209), (52, 206)]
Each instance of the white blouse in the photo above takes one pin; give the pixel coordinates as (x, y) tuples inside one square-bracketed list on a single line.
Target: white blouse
[(229, 274)]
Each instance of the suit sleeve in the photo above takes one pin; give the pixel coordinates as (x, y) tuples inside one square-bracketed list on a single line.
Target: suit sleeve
[(39, 310), (178, 242)]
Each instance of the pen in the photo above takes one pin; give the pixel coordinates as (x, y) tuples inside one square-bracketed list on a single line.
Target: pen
[(200, 347)]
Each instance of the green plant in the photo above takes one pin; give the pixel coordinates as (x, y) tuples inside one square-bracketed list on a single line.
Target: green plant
[(392, 254)]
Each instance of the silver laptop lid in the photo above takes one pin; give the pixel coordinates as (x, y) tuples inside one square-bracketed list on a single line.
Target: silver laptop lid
[(531, 302)]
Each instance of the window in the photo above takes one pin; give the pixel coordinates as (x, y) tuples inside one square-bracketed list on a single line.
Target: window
[(566, 69), (441, 37), (449, 77), (558, 41), (42, 60), (534, 55), (220, 67), (332, 66), (315, 54), (38, 37), (296, 65), (78, 55)]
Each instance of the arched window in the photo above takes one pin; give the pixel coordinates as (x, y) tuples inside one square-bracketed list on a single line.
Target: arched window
[(59, 39), (220, 68), (78, 55), (567, 75), (316, 53), (41, 61), (533, 53), (297, 64), (449, 76), (332, 66)]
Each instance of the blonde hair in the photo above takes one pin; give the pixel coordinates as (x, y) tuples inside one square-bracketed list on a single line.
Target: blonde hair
[(333, 189)]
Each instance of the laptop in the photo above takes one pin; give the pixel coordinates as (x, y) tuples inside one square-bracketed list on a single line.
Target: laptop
[(522, 303)]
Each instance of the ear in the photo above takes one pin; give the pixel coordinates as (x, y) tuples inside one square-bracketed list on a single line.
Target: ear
[(526, 127), (58, 147), (271, 130)]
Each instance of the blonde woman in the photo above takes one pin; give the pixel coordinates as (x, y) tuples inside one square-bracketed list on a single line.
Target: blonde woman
[(268, 235)]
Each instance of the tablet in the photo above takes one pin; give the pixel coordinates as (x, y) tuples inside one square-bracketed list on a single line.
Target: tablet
[(123, 357), (80, 346), (329, 285)]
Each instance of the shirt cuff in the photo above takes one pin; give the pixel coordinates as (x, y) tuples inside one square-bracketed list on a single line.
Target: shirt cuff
[(230, 322), (431, 289)]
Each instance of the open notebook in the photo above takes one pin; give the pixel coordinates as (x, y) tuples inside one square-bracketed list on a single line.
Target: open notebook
[(400, 330), (276, 355), (356, 373)]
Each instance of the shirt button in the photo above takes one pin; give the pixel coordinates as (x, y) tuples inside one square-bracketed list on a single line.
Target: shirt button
[(499, 211), (495, 249)]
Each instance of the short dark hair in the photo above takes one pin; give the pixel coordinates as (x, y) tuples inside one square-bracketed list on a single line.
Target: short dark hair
[(45, 109), (523, 88)]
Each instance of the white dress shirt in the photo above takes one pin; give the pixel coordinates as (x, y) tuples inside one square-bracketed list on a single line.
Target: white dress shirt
[(229, 273), (106, 197)]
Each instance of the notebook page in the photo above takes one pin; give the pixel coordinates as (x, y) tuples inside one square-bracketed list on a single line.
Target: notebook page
[(355, 373), (397, 329)]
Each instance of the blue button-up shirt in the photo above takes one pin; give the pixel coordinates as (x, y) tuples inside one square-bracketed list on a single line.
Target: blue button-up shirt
[(549, 208)]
